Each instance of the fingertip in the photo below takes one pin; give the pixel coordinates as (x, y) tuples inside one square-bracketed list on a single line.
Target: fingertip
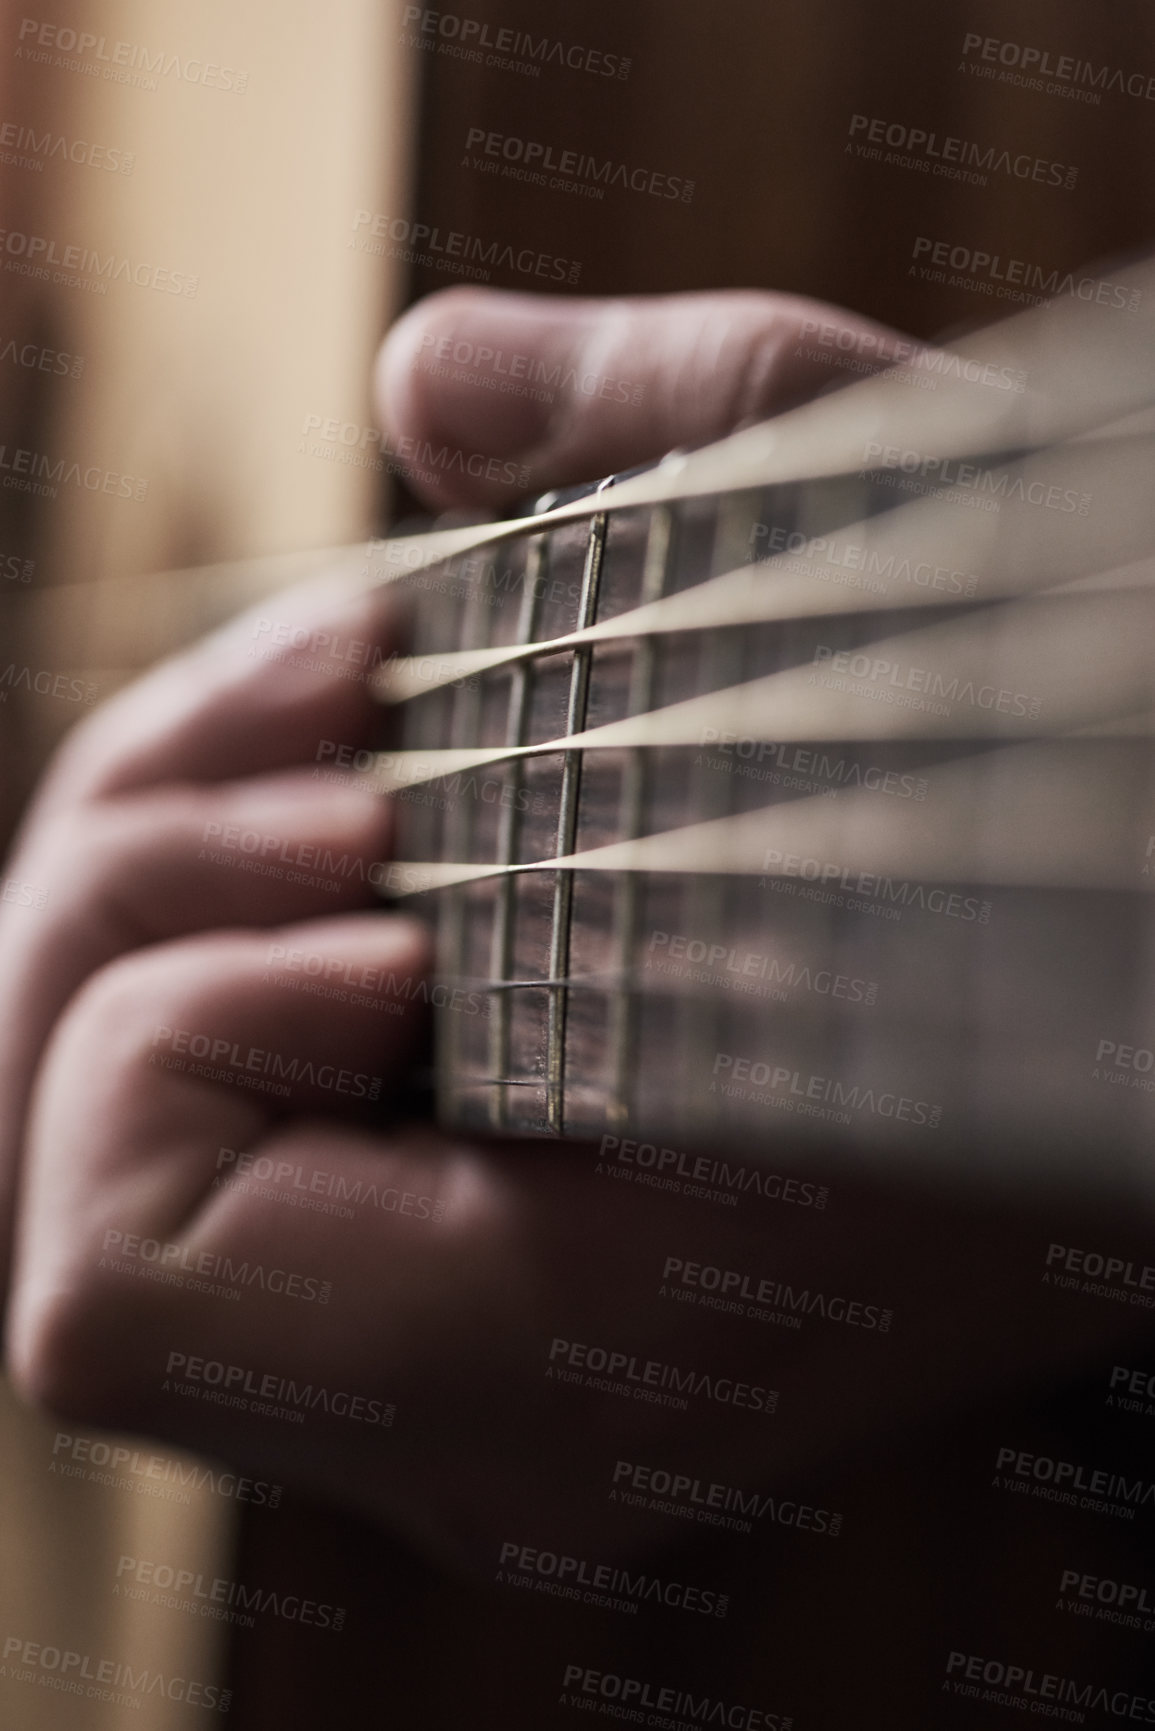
[(462, 388), (396, 385)]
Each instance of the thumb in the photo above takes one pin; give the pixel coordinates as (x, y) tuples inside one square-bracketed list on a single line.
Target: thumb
[(490, 394)]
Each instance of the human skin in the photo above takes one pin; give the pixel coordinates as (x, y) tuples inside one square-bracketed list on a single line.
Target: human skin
[(152, 937)]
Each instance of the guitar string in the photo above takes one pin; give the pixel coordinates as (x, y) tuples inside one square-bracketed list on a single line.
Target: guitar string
[(1058, 813), (1037, 667), (929, 555)]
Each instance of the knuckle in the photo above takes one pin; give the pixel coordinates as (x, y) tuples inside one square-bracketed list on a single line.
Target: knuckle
[(76, 846), (740, 372), (88, 752), (82, 1330), (124, 995), (71, 1351), (111, 1026)]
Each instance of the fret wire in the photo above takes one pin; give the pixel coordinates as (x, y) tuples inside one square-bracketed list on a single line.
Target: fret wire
[(521, 688), (459, 833), (724, 661), (562, 920), (622, 1021)]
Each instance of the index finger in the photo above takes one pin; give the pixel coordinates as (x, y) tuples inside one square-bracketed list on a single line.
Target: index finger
[(258, 695)]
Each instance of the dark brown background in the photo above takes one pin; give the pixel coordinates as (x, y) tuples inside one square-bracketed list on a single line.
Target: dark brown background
[(753, 101)]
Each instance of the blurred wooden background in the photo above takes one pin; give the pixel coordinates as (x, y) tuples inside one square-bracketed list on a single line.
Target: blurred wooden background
[(253, 193)]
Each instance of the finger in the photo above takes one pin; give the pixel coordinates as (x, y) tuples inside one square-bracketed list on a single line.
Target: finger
[(365, 1302), (569, 389), (260, 694), (136, 871), (163, 1059)]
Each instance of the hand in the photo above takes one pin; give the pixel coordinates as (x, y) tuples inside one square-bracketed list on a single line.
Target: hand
[(198, 1021)]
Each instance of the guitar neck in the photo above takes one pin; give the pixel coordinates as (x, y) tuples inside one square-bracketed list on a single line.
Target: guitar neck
[(818, 1003), (756, 797)]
